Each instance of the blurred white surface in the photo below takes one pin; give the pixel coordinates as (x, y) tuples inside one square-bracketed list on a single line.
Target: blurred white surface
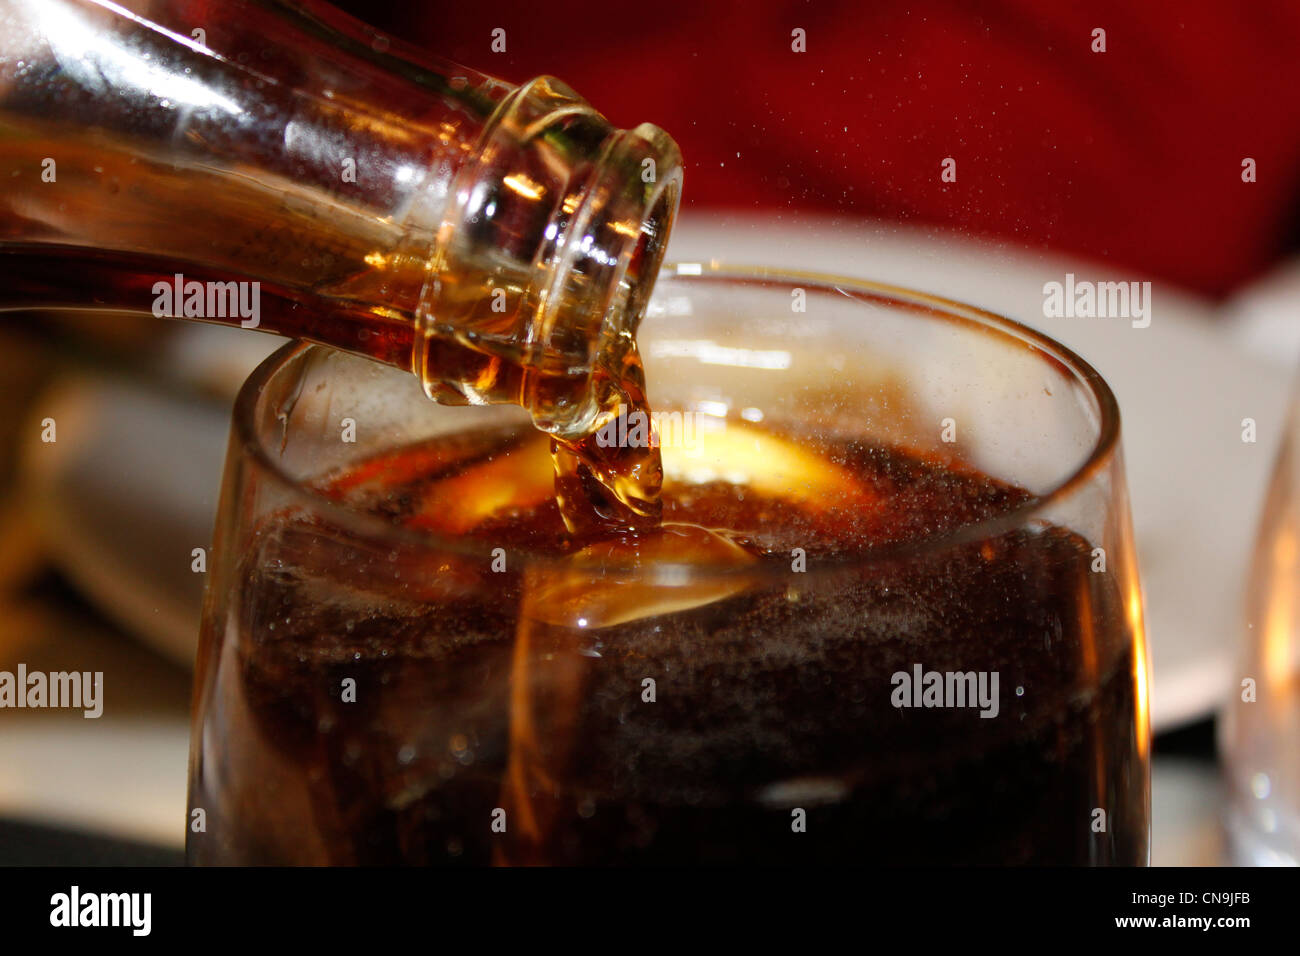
[(122, 774), (1264, 317), (125, 778)]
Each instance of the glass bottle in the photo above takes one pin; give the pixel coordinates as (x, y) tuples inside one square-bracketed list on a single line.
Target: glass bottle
[(171, 156)]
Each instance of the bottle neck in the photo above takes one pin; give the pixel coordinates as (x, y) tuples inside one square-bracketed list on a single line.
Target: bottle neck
[(544, 255), (500, 241)]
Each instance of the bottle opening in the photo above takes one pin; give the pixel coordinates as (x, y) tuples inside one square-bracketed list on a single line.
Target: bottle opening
[(652, 243), (545, 257)]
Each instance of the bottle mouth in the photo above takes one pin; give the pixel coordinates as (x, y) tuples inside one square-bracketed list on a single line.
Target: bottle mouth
[(603, 277), (658, 211), (545, 257)]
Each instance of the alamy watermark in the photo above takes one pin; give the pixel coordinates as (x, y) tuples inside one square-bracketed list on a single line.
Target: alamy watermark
[(638, 429), (922, 688), (191, 299), (75, 908), (1098, 300), (82, 690)]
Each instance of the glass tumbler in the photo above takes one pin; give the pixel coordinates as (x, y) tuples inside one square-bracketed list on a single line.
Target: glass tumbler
[(381, 682), (1260, 726)]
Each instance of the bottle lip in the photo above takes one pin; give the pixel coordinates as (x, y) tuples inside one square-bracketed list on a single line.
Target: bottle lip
[(582, 257), (630, 202), (653, 209)]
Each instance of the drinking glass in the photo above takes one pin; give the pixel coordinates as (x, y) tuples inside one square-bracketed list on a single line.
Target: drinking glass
[(373, 688), (1260, 726)]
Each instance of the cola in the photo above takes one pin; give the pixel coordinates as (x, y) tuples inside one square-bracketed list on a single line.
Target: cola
[(827, 651)]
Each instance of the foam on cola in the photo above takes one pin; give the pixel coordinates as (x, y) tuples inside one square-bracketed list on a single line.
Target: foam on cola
[(673, 694)]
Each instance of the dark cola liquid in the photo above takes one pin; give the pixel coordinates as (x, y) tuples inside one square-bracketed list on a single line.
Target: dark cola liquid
[(504, 716)]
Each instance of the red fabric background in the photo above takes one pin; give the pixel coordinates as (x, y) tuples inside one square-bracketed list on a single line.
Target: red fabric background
[(1132, 156)]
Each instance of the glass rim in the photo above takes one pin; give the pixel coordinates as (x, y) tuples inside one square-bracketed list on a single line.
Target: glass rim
[(1102, 451)]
